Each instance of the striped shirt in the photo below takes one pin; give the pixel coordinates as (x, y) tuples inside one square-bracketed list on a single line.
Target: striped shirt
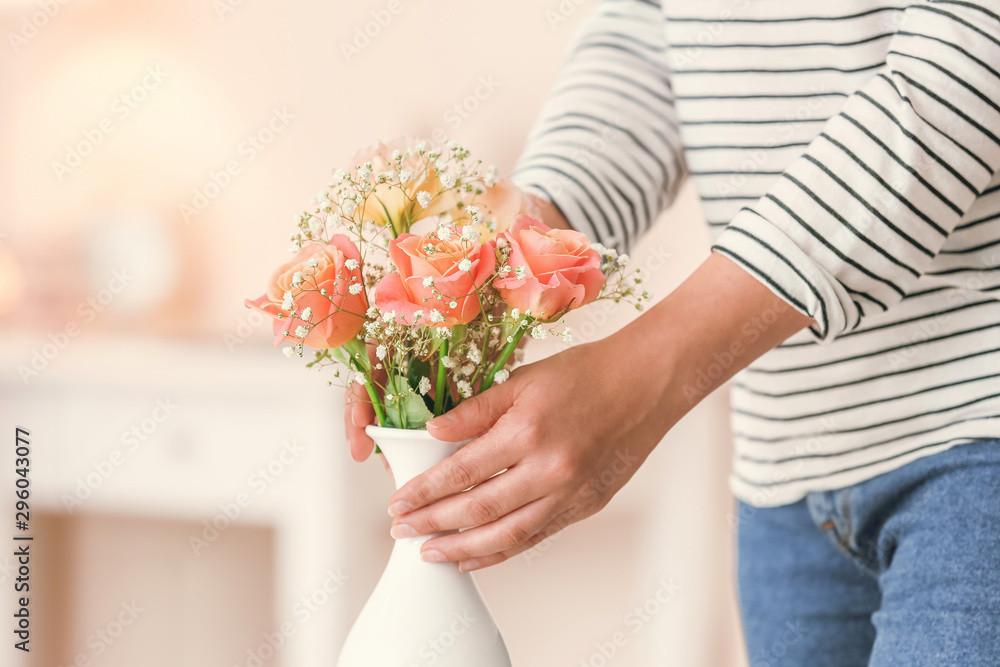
[(846, 154)]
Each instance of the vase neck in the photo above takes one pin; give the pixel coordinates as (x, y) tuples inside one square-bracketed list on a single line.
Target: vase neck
[(411, 452)]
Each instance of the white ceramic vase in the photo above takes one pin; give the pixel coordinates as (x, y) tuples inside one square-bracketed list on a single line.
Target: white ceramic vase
[(421, 613)]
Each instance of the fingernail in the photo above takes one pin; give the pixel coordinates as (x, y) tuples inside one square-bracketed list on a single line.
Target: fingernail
[(402, 530), (444, 420), (469, 565), (432, 556), (352, 447), (399, 507), (354, 417)]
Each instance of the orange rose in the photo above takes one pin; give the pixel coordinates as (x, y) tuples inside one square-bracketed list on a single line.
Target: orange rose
[(549, 271), (435, 275), (336, 316)]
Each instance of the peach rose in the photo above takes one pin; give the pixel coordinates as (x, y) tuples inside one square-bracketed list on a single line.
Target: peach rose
[(551, 270), (434, 273), (338, 315)]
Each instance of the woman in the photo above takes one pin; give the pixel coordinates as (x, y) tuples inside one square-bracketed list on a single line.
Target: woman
[(846, 155)]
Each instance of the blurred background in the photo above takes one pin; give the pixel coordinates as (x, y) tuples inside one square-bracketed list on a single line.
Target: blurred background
[(193, 502)]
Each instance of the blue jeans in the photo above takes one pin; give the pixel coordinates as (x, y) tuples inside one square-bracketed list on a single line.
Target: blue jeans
[(902, 569)]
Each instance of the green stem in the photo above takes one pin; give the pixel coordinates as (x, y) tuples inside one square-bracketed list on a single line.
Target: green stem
[(357, 354), (388, 217), (504, 356), (442, 380), (377, 404)]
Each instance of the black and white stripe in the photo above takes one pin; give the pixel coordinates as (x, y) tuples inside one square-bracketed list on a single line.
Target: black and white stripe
[(848, 155)]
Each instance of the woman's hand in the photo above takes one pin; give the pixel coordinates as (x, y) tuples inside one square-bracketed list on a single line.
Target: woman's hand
[(358, 413), (570, 430)]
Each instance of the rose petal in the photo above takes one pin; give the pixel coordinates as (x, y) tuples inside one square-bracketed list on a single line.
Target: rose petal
[(391, 296)]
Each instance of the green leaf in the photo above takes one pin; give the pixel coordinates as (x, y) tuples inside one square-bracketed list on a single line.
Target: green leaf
[(357, 351), (459, 332), (420, 368), (416, 369), (319, 357), (408, 409)]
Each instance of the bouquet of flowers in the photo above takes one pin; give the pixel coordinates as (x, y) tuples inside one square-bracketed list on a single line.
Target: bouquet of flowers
[(417, 272)]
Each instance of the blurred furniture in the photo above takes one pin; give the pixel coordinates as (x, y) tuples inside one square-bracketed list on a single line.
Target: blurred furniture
[(198, 483)]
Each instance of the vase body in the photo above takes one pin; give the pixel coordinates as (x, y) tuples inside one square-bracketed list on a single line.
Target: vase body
[(421, 613)]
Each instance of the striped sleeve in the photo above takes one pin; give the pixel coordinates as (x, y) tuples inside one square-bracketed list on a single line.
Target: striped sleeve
[(606, 149), (852, 224)]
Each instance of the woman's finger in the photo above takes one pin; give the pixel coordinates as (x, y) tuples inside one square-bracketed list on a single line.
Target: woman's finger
[(557, 524), (474, 416), (506, 534), (358, 413), (483, 504), (473, 464)]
